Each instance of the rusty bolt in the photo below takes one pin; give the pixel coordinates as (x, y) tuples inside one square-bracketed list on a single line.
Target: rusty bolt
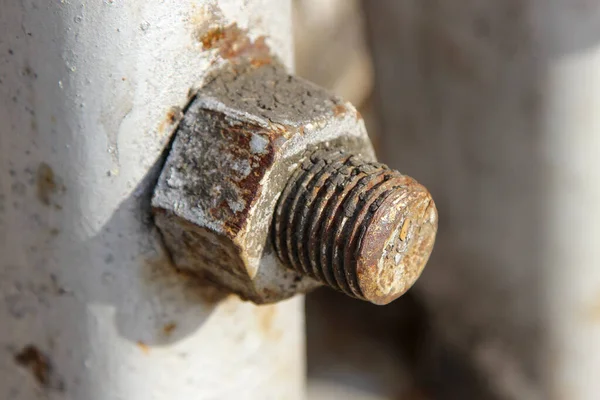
[(255, 145), (355, 225)]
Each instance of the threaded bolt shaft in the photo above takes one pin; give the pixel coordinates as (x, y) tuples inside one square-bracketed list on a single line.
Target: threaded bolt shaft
[(354, 225)]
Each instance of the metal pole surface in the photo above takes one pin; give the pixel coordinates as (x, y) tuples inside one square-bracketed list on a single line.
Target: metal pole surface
[(89, 306)]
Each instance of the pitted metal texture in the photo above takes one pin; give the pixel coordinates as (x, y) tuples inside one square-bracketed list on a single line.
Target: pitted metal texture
[(355, 225)]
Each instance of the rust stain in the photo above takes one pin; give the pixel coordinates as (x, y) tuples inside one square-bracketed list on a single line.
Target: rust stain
[(36, 362), (248, 187), (206, 284), (169, 328), (196, 287), (339, 110), (173, 116), (234, 44), (143, 347), (267, 313), (362, 259), (211, 38), (262, 53), (205, 16), (46, 184), (266, 320)]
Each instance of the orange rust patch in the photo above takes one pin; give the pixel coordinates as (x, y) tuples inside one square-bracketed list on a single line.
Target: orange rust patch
[(210, 38), (339, 109), (263, 52), (143, 347), (37, 363), (234, 44), (169, 328), (266, 319)]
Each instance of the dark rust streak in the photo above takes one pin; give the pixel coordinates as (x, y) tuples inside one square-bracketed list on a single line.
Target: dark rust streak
[(295, 231), (247, 188), (38, 363), (316, 218), (316, 190)]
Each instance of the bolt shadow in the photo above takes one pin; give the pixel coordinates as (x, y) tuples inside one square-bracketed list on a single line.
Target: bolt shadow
[(167, 305)]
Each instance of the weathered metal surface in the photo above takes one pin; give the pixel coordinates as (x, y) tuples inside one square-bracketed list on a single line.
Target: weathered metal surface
[(243, 133), (90, 306), (354, 225)]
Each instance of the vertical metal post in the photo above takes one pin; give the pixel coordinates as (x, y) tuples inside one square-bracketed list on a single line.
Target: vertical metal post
[(89, 306)]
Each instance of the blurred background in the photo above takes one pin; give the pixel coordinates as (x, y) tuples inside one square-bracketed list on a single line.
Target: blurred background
[(492, 105)]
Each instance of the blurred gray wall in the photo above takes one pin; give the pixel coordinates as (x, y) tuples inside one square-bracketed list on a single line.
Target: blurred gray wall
[(495, 107)]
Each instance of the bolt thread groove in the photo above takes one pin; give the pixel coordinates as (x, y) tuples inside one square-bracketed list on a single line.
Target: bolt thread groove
[(323, 214)]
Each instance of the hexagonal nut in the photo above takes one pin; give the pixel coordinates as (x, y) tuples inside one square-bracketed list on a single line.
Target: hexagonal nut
[(240, 139)]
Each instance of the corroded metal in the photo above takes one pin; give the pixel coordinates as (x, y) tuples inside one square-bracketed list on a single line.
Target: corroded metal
[(343, 220), (243, 133), (355, 225)]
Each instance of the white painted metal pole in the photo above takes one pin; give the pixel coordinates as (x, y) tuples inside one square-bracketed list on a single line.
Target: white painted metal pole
[(89, 308)]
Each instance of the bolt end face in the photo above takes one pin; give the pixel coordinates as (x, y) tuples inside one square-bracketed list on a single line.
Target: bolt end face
[(397, 244)]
